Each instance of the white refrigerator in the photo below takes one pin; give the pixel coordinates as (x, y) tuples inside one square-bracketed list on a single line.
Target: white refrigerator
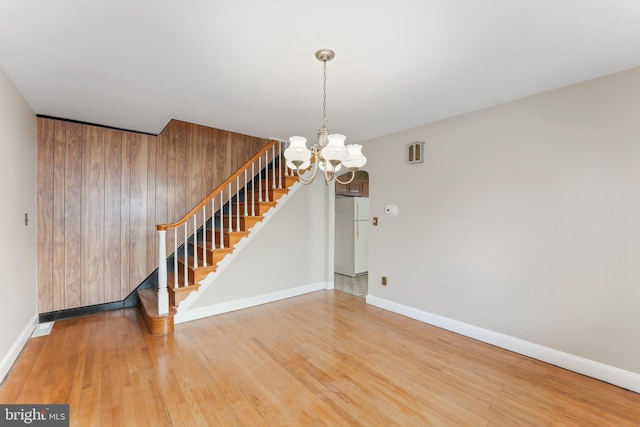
[(352, 235)]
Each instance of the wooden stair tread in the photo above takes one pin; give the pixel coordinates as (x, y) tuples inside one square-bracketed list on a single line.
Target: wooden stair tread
[(181, 284), (195, 274), (231, 237), (272, 194), (226, 231), (242, 217), (213, 255), (158, 324), (200, 267), (232, 232), (209, 247), (262, 203), (182, 291), (244, 225)]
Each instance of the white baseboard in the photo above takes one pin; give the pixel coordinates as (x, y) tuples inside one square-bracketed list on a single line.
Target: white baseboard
[(9, 359), (616, 376), (225, 307)]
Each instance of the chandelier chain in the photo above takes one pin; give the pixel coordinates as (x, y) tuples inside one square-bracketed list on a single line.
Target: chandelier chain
[(324, 96)]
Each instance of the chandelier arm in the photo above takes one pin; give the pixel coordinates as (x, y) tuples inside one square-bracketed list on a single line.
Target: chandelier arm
[(353, 175), (309, 180), (328, 176)]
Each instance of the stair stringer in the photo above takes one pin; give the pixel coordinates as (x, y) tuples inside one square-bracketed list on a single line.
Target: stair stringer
[(186, 313)]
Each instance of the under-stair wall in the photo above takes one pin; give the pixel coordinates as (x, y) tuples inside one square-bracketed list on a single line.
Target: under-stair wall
[(286, 255), (101, 192)]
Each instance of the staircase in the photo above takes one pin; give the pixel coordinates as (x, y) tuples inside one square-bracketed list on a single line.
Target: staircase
[(210, 231)]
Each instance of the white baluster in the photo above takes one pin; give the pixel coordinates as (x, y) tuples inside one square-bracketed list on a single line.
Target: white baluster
[(246, 195), (286, 168), (279, 164), (195, 240), (221, 220), (213, 223), (204, 235), (266, 175), (260, 178), (163, 295), (238, 203), (253, 189), (175, 258), (230, 211), (186, 255), (273, 166)]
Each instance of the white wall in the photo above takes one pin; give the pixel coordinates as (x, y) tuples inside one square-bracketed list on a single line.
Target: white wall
[(524, 219), (18, 313), (290, 251)]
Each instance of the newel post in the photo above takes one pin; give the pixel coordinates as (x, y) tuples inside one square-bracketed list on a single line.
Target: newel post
[(163, 295)]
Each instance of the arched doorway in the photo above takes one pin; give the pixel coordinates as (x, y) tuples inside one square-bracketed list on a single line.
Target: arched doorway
[(352, 226)]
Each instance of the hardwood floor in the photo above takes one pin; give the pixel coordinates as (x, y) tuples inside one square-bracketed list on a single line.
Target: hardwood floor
[(324, 359)]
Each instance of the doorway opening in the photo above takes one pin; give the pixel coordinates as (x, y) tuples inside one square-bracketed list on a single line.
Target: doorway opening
[(357, 285), (352, 223)]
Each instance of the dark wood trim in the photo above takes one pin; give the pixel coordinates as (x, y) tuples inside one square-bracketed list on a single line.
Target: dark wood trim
[(44, 116), (131, 300)]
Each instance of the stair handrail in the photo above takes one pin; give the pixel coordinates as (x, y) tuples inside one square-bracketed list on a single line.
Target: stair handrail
[(163, 295), (218, 189)]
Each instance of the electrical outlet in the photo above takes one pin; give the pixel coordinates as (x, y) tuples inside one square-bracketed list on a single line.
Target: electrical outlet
[(384, 280)]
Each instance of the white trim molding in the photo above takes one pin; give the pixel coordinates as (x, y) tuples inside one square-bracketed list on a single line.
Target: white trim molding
[(226, 307), (12, 355), (616, 376)]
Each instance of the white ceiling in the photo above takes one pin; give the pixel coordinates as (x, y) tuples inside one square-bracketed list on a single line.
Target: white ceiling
[(248, 65)]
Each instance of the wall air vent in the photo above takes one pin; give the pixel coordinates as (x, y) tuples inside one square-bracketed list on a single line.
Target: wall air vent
[(416, 152)]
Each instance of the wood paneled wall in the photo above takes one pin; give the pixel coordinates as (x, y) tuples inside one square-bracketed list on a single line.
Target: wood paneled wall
[(101, 193)]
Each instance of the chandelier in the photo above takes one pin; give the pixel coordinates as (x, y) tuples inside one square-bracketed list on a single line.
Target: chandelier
[(329, 154)]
